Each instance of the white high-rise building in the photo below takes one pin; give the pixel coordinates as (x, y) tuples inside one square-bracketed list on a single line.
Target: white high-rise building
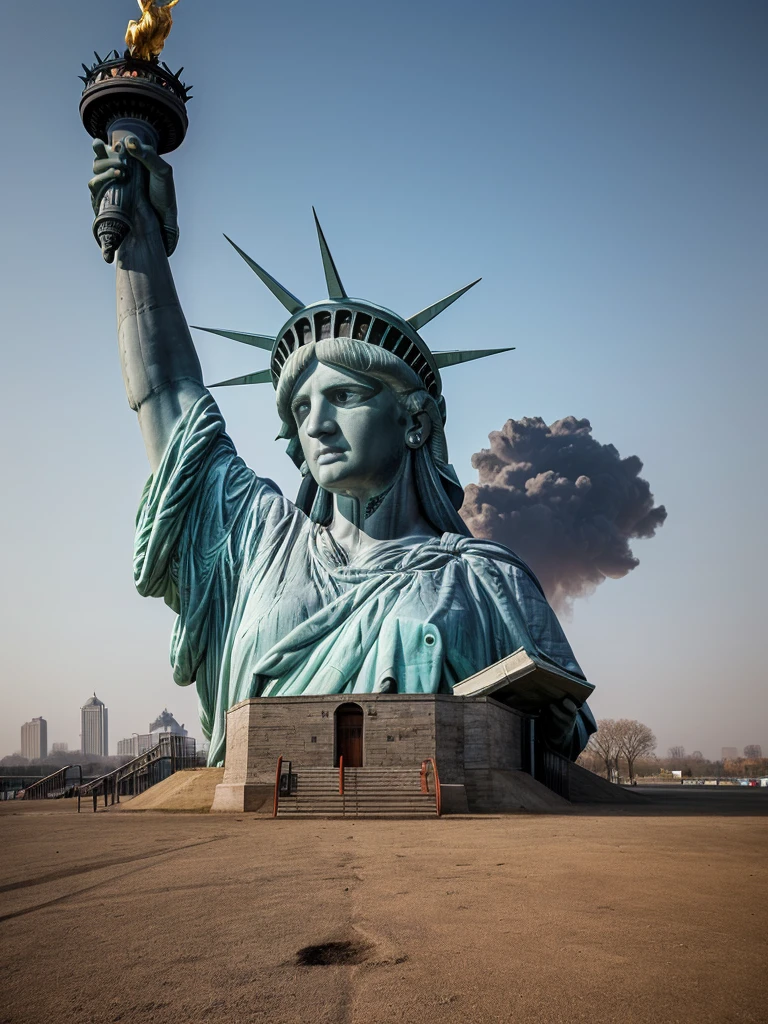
[(94, 737), (34, 739)]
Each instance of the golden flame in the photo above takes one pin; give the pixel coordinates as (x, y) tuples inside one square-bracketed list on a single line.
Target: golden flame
[(146, 37)]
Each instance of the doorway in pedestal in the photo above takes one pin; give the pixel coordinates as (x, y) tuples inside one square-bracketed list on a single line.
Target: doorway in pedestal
[(349, 735)]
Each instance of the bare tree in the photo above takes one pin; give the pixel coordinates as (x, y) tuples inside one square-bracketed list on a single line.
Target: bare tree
[(604, 744), (633, 740), (590, 760), (676, 753), (753, 751)]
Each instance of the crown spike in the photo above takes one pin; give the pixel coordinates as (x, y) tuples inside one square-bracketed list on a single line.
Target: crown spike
[(443, 359), (332, 279), (291, 303), (260, 377), (418, 320), (257, 340)]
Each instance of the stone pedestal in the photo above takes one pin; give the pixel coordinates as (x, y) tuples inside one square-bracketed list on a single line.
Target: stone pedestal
[(478, 743)]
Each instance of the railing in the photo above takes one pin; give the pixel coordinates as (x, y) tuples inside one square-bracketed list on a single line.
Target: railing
[(278, 773), (139, 771), (54, 784), (341, 775), (553, 771), (424, 778)]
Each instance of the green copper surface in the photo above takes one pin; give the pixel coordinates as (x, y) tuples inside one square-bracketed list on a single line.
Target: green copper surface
[(444, 359), (291, 303), (332, 279), (259, 377), (257, 340), (418, 320)]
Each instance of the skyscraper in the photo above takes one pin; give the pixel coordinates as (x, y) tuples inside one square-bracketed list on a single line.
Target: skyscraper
[(94, 738), (34, 739)]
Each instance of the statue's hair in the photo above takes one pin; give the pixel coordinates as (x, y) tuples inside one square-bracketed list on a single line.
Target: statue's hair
[(439, 491)]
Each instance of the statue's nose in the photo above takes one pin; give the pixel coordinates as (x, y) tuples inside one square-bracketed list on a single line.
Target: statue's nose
[(320, 424)]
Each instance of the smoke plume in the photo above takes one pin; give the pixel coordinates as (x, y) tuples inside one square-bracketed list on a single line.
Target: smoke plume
[(568, 505)]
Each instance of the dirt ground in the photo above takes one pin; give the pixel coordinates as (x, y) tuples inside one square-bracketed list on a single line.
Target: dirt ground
[(656, 917)]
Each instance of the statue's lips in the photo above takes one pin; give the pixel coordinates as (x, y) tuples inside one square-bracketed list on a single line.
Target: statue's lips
[(328, 455)]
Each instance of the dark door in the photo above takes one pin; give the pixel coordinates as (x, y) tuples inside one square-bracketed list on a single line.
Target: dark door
[(349, 735)]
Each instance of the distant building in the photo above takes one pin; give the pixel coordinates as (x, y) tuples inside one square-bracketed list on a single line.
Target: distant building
[(753, 751), (60, 748), (34, 739), (94, 737), (729, 753), (165, 722), (164, 725)]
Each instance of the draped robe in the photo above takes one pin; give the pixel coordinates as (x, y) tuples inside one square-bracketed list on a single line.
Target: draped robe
[(268, 604)]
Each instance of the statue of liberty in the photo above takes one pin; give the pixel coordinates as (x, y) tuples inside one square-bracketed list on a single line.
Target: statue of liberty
[(369, 582)]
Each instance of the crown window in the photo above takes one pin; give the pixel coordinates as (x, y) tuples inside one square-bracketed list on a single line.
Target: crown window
[(322, 326), (343, 324)]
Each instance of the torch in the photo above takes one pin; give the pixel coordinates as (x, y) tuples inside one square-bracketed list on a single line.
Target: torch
[(133, 94)]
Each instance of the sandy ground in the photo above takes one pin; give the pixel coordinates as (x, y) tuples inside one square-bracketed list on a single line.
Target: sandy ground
[(654, 917), (187, 790)]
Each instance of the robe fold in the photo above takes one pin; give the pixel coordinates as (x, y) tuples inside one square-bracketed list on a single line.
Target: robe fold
[(268, 604)]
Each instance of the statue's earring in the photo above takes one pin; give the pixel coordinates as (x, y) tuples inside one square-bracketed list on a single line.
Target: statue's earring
[(413, 439)]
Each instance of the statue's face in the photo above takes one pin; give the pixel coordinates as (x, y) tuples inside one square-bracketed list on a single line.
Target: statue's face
[(352, 430)]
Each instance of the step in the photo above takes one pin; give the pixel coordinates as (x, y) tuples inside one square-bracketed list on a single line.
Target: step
[(393, 816)]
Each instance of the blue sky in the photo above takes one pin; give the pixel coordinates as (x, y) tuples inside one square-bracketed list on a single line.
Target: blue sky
[(601, 165)]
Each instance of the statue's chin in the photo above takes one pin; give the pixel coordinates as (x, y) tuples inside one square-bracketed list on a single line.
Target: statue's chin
[(339, 481)]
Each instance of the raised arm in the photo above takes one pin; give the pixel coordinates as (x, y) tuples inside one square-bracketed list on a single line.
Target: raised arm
[(161, 370)]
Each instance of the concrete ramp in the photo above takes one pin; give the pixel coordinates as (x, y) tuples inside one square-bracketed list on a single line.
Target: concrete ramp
[(190, 790), (588, 788), (496, 790)]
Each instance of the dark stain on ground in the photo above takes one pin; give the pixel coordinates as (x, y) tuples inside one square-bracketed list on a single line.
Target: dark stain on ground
[(328, 954)]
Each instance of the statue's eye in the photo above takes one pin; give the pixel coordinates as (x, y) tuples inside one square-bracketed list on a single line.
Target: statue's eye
[(343, 396), (300, 410)]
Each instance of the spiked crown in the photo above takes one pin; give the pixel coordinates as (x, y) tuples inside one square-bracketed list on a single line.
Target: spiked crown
[(340, 316)]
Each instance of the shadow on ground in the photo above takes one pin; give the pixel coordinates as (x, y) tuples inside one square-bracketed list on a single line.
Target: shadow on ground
[(686, 801)]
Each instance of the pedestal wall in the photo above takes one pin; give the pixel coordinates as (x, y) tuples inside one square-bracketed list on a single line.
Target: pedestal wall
[(469, 737)]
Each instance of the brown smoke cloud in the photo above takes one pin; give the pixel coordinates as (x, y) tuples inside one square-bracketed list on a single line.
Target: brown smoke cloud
[(568, 505)]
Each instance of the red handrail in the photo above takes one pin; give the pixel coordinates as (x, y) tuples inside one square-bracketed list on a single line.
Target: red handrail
[(425, 784), (341, 775), (276, 800)]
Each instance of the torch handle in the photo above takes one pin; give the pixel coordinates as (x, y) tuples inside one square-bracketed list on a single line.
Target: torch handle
[(113, 221)]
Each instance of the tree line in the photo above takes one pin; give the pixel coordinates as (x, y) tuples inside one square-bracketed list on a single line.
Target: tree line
[(625, 743)]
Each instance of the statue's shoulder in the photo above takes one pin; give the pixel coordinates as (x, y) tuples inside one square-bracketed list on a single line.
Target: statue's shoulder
[(477, 550)]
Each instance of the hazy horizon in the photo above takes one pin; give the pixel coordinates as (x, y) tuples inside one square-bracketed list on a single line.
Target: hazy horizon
[(601, 166)]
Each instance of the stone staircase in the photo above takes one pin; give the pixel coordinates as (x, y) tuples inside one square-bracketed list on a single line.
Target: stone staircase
[(368, 793)]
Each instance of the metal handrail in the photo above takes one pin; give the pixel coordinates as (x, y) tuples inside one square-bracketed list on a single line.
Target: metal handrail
[(276, 800), (341, 775), (164, 749), (44, 786), (425, 783)]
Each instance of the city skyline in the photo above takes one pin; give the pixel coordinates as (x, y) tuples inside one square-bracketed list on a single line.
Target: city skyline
[(165, 722)]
